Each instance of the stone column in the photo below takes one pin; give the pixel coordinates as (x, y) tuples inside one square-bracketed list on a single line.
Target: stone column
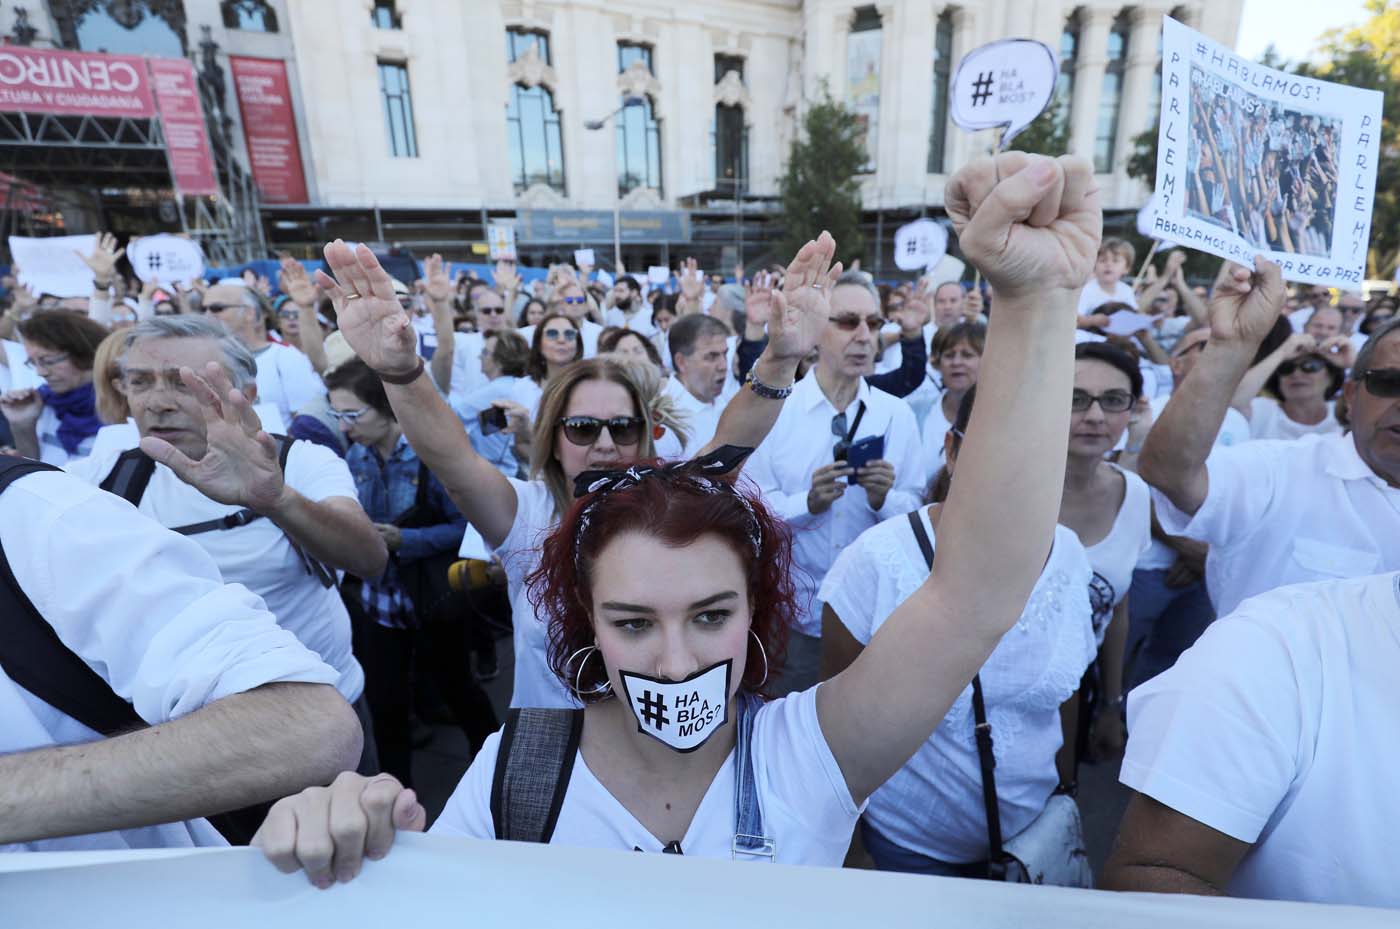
[(1133, 115), (1088, 79)]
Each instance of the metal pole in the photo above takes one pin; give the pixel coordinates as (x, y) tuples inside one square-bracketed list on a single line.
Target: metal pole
[(617, 233)]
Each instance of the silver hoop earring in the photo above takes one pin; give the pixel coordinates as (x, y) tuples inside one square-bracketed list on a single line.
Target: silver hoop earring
[(762, 651), (578, 676)]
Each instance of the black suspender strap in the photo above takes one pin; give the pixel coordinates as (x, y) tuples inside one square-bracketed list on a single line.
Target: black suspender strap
[(982, 731), (130, 475), (533, 764)]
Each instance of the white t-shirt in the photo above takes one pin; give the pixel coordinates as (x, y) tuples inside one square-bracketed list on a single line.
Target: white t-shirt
[(467, 376), (1277, 729), (1093, 296), (1267, 420), (933, 805), (1281, 513), (286, 379), (639, 322), (935, 430), (259, 556), (807, 807), (1234, 430), (51, 450), (535, 684), (1116, 554), (588, 329), (702, 419), (147, 609)]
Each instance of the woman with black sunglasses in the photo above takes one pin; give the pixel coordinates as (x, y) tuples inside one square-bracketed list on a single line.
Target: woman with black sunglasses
[(1292, 391), (555, 343), (593, 414)]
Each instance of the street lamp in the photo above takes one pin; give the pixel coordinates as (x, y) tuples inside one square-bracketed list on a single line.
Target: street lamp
[(593, 125)]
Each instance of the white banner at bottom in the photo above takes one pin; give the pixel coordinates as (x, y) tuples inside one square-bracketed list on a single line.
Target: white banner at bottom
[(432, 881)]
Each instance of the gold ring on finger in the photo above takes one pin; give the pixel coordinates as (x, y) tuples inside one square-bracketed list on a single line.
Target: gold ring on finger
[(351, 296)]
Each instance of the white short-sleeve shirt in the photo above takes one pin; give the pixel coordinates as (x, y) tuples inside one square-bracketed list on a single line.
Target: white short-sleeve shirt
[(1277, 729), (286, 379), (807, 807), (1114, 557), (146, 609), (1281, 513), (1267, 420), (933, 805), (935, 430), (1093, 296), (259, 555)]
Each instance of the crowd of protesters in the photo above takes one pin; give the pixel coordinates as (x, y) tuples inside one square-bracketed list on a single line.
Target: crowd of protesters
[(800, 566)]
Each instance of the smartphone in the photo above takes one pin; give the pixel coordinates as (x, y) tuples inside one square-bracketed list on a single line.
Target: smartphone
[(492, 420), (862, 452)]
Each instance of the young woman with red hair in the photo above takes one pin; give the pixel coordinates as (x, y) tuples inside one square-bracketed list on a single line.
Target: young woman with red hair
[(666, 590)]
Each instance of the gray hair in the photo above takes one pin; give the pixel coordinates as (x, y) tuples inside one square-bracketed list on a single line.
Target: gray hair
[(1368, 351), (242, 368), (859, 279)]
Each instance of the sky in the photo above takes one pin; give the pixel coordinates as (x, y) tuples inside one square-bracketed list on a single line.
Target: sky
[(1293, 25)]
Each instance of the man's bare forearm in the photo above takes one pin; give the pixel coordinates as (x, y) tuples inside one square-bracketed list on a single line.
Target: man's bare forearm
[(340, 536), (313, 340), (247, 748)]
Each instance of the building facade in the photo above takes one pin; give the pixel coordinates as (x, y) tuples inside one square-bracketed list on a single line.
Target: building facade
[(422, 121)]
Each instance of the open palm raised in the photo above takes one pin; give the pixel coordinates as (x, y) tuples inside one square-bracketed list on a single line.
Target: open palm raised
[(799, 312), (367, 309)]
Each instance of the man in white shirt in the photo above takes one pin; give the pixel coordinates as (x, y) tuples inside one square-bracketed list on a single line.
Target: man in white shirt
[(700, 355), (627, 309), (241, 712), (1277, 512), (285, 376), (274, 529), (798, 470), (1324, 323), (1263, 763)]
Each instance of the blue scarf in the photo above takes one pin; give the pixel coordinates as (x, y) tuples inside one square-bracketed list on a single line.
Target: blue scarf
[(77, 414)]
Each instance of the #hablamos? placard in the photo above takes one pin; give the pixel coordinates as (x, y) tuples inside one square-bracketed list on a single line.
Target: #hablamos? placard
[(1005, 83), (1253, 161), (919, 244), (166, 259)]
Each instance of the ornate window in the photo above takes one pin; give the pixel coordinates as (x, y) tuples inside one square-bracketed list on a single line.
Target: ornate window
[(519, 42), (729, 133), (638, 146), (1069, 60), (534, 139), (249, 15), (1111, 99), (385, 15), (942, 65), (629, 52), (122, 27), (398, 109)]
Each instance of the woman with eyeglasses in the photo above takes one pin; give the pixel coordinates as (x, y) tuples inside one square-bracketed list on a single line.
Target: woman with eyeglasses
[(1292, 390), (57, 421), (666, 590), (593, 414), (417, 522)]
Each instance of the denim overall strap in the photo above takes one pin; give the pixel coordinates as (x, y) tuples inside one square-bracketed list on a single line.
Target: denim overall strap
[(749, 837)]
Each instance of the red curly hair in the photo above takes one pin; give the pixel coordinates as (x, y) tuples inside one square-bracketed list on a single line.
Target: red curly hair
[(677, 510)]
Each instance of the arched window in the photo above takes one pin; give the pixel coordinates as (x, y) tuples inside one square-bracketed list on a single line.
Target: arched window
[(1069, 60), (534, 139), (249, 15), (638, 146), (140, 30), (942, 63), (731, 143), (1111, 98)]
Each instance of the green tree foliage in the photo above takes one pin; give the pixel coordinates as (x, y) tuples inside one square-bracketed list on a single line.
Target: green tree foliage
[(1048, 133), (821, 190)]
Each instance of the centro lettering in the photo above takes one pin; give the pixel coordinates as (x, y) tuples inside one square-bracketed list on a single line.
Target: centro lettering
[(68, 73)]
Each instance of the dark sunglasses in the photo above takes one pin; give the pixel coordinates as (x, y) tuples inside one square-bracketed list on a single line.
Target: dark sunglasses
[(1111, 401), (849, 323), (1382, 382), (1307, 366), (584, 430), (219, 307), (560, 334), (491, 310)]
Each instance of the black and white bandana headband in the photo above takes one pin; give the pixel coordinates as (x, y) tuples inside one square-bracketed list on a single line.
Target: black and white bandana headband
[(704, 473)]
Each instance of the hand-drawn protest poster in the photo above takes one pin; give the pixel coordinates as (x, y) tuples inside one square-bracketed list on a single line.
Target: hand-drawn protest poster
[(1251, 160)]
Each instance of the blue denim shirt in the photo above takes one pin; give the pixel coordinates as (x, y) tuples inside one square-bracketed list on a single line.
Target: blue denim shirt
[(388, 488)]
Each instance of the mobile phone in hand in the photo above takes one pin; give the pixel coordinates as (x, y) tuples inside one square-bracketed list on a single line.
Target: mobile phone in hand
[(492, 420)]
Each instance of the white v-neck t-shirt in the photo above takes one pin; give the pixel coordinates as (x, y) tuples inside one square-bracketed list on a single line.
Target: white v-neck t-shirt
[(807, 807), (1114, 557)]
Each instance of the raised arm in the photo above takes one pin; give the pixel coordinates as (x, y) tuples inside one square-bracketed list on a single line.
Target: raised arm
[(1299, 343), (439, 296), (294, 282), (381, 334), (1032, 225), (1242, 311)]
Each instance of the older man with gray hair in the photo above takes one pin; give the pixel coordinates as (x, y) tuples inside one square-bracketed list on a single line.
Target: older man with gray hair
[(276, 515)]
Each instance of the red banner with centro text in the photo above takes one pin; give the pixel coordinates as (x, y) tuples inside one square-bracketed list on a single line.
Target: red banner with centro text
[(182, 118), (41, 80), (269, 127)]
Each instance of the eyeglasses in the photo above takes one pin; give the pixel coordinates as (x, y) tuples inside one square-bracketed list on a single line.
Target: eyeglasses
[(1306, 365), (560, 335), (1110, 401), (573, 300), (219, 307), (347, 416), (45, 362), (491, 310), (1382, 382), (849, 323), (584, 430)]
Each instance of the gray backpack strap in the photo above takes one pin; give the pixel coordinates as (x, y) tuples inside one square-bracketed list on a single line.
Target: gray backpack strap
[(749, 838), (533, 765)]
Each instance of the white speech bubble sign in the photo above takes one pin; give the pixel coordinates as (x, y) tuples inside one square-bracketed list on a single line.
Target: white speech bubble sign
[(919, 244), (166, 259), (1007, 83)]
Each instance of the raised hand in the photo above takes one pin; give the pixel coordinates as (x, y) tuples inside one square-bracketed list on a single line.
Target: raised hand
[(367, 310), (1244, 306), (972, 305), (438, 285), (914, 314), (800, 315), (22, 407), (1029, 222), (1339, 350), (692, 285), (104, 256), (506, 277), (240, 465), (329, 831), (294, 282)]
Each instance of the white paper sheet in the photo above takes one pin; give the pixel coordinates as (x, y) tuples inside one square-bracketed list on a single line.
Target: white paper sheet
[(53, 265)]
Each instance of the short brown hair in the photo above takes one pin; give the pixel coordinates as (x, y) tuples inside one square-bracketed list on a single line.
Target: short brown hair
[(75, 334), (511, 352), (1115, 246)]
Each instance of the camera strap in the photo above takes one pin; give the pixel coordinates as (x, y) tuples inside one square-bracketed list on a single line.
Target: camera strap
[(855, 423)]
